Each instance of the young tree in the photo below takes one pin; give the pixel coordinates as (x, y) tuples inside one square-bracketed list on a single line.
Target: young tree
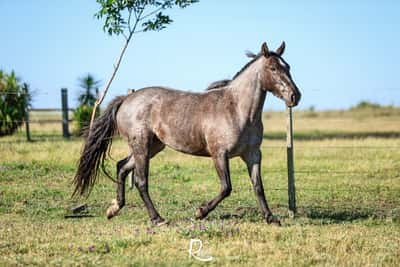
[(129, 17)]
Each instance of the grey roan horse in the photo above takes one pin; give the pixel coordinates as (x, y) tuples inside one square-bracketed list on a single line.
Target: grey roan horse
[(221, 123)]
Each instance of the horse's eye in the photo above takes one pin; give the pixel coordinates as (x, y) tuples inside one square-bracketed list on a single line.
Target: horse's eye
[(273, 69)]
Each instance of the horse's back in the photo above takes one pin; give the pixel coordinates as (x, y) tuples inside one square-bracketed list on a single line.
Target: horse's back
[(169, 100), (175, 117)]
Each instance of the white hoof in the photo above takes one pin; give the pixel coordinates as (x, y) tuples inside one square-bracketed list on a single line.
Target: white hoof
[(113, 209)]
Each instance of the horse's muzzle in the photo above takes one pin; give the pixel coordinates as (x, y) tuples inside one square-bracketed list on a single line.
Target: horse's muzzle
[(294, 99)]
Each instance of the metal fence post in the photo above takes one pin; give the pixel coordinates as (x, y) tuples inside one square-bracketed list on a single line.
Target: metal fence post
[(290, 164), (64, 107)]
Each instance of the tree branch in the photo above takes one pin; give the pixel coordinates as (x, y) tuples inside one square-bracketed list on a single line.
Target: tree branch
[(152, 13), (116, 67), (123, 34), (115, 24), (139, 31), (129, 19)]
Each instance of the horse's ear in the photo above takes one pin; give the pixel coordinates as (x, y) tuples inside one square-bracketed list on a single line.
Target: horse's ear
[(264, 50), (281, 49)]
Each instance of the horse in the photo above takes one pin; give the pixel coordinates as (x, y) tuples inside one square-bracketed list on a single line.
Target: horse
[(221, 123)]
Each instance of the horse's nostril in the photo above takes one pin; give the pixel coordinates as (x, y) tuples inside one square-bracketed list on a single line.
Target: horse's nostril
[(293, 98)]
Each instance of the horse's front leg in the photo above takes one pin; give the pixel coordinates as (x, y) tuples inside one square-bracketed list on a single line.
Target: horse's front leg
[(253, 162), (221, 163)]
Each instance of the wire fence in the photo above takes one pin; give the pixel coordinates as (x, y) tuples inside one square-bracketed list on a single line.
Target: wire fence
[(374, 190), (64, 119)]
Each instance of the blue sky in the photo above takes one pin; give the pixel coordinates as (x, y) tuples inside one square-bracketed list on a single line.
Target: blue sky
[(340, 52)]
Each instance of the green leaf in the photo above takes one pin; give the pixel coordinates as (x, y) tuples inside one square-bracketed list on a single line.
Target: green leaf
[(116, 14), (156, 24)]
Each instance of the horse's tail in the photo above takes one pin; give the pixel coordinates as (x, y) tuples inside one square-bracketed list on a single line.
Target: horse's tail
[(97, 144)]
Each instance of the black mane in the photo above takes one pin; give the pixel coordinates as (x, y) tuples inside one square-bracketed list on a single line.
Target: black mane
[(218, 84), (225, 82)]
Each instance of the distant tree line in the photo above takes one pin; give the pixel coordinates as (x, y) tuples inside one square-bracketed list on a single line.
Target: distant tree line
[(369, 105)]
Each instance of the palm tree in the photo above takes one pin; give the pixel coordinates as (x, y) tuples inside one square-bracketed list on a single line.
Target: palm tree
[(87, 97), (2, 82), (89, 85)]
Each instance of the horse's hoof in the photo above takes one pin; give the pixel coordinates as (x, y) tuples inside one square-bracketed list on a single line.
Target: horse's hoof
[(159, 222), (200, 213), (113, 209), (273, 220), (163, 222), (110, 213)]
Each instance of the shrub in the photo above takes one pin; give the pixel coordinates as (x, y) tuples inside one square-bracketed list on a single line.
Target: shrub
[(15, 99), (366, 105), (82, 117)]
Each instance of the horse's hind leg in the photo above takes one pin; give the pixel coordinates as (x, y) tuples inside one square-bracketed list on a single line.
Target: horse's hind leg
[(156, 147), (142, 153), (124, 167)]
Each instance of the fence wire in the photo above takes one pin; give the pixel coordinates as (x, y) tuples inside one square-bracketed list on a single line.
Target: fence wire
[(300, 147)]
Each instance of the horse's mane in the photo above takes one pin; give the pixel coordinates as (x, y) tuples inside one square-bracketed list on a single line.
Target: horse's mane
[(254, 58), (225, 82), (218, 84)]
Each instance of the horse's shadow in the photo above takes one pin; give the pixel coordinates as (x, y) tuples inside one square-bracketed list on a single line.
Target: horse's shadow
[(310, 214), (337, 215), (243, 213)]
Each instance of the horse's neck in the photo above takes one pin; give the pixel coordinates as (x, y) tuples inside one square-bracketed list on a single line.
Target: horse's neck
[(249, 95)]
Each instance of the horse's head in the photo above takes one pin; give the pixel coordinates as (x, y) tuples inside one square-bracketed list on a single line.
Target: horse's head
[(275, 76)]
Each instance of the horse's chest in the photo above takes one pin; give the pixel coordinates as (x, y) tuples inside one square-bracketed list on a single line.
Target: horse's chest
[(248, 139)]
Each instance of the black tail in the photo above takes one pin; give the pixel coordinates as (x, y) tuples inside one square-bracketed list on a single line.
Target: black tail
[(98, 142)]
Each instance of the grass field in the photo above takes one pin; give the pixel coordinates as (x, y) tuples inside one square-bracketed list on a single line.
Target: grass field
[(348, 195)]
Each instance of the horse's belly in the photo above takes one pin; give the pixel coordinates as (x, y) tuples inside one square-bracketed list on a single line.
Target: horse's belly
[(183, 139)]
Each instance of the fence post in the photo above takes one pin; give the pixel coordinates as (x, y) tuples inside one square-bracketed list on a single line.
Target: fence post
[(28, 133), (290, 164), (64, 107)]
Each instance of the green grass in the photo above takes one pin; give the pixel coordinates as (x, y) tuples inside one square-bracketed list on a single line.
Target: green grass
[(348, 197)]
